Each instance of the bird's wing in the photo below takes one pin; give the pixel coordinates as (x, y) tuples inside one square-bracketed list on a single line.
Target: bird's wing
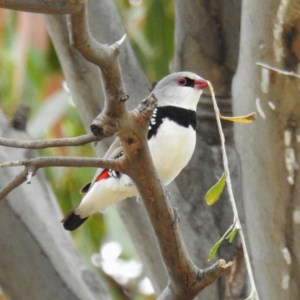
[(114, 151), (114, 148)]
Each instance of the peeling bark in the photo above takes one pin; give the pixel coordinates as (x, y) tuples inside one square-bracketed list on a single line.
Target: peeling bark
[(269, 149)]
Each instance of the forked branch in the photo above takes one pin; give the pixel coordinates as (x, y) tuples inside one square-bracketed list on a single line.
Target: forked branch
[(186, 280)]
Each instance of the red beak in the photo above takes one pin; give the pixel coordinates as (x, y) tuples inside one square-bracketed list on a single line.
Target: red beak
[(200, 84)]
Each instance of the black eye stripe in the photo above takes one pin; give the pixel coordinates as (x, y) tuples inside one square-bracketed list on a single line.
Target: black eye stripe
[(189, 82)]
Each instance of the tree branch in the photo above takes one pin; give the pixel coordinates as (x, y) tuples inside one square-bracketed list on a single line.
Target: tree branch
[(42, 144), (61, 161), (12, 184), (32, 165), (186, 280), (42, 6), (173, 291), (83, 80), (278, 70), (102, 55)]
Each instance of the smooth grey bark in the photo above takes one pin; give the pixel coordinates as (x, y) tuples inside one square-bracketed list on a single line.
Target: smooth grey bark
[(38, 259), (207, 43), (270, 176), (200, 229)]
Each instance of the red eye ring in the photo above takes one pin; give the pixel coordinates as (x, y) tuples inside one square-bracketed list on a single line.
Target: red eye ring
[(181, 81)]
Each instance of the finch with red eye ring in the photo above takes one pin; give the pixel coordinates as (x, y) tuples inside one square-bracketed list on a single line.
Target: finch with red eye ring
[(171, 140), (182, 81)]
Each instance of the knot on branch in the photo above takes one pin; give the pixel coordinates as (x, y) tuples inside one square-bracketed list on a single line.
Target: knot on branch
[(104, 126), (210, 274), (147, 106), (121, 96)]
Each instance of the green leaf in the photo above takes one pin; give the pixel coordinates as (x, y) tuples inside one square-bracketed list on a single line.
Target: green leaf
[(229, 234), (232, 235), (214, 193), (214, 249)]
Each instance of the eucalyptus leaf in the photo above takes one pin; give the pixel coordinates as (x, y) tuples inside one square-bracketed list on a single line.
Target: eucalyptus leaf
[(241, 119), (214, 193), (229, 234), (214, 250), (232, 235)]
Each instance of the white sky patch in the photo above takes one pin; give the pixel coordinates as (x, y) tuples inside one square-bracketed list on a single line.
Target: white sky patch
[(272, 105), (122, 270), (265, 80), (285, 281), (109, 260), (145, 287), (259, 109), (111, 251), (296, 216), (286, 255)]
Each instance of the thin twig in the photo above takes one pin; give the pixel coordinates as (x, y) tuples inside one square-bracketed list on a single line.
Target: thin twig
[(33, 164), (12, 184), (277, 70), (231, 195), (61, 161), (42, 6), (42, 144)]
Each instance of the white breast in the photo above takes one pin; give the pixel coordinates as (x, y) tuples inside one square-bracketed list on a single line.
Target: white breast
[(171, 149)]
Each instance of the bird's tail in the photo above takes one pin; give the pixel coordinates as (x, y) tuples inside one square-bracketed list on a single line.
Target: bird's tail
[(72, 221)]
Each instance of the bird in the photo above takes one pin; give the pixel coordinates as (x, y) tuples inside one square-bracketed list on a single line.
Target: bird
[(171, 140)]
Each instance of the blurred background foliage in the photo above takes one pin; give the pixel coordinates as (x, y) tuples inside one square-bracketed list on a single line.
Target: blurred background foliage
[(30, 74)]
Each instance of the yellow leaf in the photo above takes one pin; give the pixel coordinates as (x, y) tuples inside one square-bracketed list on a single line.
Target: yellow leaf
[(241, 119)]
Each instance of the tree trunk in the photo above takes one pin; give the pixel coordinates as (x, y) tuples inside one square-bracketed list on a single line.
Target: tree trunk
[(269, 148), (207, 37)]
